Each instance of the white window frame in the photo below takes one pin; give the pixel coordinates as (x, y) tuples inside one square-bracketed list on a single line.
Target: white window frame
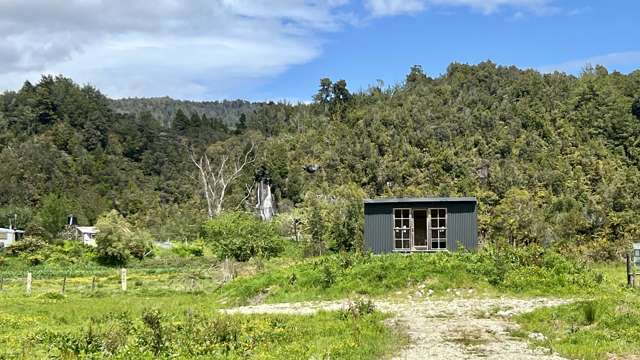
[(408, 230), (438, 228)]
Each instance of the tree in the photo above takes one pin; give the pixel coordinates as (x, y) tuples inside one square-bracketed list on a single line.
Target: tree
[(317, 229), (635, 108), (218, 173), (53, 214), (416, 75), (325, 93), (181, 122)]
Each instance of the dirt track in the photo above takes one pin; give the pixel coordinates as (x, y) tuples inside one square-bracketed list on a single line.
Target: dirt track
[(444, 329)]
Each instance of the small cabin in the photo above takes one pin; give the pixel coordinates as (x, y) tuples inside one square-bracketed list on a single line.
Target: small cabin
[(87, 234), (420, 224), (9, 236)]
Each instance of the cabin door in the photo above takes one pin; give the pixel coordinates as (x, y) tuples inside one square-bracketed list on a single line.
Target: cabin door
[(420, 234)]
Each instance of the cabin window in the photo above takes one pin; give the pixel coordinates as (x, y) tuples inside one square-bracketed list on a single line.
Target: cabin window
[(402, 229), (438, 228)]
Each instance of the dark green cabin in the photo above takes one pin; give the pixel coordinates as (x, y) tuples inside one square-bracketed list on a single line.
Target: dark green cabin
[(420, 224)]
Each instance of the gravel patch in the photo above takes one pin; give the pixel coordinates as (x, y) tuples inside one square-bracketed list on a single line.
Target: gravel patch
[(443, 329)]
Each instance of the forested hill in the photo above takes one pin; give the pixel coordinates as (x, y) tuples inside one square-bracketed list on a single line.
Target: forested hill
[(552, 158), (164, 109)]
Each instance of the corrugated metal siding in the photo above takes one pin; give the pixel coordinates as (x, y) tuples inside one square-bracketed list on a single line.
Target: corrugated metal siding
[(378, 228), (461, 224)]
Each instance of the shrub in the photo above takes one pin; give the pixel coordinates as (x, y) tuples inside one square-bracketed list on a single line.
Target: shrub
[(189, 249), (117, 240), (28, 245), (358, 309), (242, 236), (590, 312), (153, 320)]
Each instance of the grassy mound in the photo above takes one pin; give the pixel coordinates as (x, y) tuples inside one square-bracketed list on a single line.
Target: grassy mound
[(528, 271)]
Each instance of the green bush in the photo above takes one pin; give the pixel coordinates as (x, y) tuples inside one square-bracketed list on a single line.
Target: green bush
[(28, 245), (117, 241), (242, 236), (189, 249)]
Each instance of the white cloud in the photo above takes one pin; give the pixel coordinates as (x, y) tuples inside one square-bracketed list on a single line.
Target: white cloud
[(487, 7), (187, 49), (394, 7), (621, 61)]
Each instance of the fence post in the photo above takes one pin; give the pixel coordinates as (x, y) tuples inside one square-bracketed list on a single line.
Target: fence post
[(1, 281), (228, 271), (630, 274), (64, 284), (123, 279), (93, 284), (29, 279)]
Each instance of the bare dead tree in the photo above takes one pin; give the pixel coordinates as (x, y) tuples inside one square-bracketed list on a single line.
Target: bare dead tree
[(216, 177)]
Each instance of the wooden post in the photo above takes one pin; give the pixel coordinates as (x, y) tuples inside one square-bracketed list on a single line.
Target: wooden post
[(228, 271), (64, 284), (1, 281), (93, 284), (295, 228), (630, 274), (123, 279), (29, 279)]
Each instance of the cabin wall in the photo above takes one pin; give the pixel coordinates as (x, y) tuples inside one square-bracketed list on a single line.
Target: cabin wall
[(462, 227)]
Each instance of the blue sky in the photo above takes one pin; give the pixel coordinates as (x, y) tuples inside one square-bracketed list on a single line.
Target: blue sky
[(279, 49)]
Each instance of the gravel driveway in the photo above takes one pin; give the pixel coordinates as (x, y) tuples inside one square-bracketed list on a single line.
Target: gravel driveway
[(443, 329)]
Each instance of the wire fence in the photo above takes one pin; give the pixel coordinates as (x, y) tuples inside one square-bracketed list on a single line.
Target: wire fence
[(101, 281)]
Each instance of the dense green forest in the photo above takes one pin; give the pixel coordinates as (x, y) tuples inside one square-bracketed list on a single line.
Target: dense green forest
[(552, 158), (164, 109)]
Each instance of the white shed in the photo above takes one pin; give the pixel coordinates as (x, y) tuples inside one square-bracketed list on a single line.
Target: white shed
[(636, 254), (9, 236), (87, 234)]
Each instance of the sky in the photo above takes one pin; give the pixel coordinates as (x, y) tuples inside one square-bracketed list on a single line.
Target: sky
[(279, 49)]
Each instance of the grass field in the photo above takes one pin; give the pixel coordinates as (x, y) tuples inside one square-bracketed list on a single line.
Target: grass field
[(171, 308)]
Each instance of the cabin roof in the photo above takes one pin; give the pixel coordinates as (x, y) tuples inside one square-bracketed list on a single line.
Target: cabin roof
[(87, 229), (391, 200)]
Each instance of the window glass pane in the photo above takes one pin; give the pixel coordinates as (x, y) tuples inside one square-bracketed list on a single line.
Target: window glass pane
[(397, 234), (434, 222), (443, 245), (443, 213), (434, 234), (434, 245), (405, 223), (434, 213), (443, 234), (405, 213), (398, 213), (443, 223), (398, 244), (398, 223), (406, 244)]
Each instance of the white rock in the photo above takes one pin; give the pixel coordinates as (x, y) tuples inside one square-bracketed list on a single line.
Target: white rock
[(537, 336)]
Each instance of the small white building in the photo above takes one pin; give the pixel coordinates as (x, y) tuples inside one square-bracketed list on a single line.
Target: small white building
[(87, 234), (636, 254), (9, 236)]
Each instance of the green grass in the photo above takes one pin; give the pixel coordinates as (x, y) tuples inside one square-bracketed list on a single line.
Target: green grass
[(340, 276), (590, 329), (181, 291), (602, 323), (111, 324)]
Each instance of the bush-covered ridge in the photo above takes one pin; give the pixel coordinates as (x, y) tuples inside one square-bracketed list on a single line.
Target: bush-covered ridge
[(552, 158)]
